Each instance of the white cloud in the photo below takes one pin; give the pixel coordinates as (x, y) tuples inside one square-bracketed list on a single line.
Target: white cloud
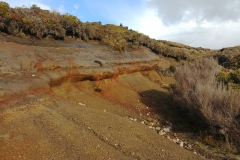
[(76, 6), (201, 23), (151, 25)]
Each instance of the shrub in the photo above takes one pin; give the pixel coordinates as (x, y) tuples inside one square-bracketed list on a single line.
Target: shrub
[(235, 76), (172, 68), (197, 91)]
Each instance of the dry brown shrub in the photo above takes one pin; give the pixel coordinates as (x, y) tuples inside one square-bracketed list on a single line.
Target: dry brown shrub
[(198, 91)]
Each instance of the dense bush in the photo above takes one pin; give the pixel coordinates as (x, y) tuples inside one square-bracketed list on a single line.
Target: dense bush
[(35, 22), (198, 91), (230, 78)]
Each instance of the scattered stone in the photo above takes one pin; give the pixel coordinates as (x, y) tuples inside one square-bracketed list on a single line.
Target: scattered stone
[(33, 75), (166, 129), (181, 144), (150, 127), (146, 122), (174, 141), (158, 128), (161, 133), (82, 104), (143, 122), (189, 146), (131, 119), (152, 124)]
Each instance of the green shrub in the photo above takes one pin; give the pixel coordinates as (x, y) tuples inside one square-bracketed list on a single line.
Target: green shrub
[(235, 76)]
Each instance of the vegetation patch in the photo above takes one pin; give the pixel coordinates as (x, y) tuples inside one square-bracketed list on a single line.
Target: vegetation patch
[(205, 99)]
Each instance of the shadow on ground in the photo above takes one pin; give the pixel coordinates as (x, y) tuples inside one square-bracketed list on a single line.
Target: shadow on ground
[(162, 103)]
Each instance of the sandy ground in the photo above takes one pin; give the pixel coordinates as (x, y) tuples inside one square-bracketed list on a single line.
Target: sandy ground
[(81, 117)]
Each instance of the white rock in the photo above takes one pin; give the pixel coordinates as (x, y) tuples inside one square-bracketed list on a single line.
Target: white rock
[(82, 104), (166, 129), (33, 75), (152, 123), (161, 133), (181, 144), (189, 146), (158, 128), (131, 119), (174, 141)]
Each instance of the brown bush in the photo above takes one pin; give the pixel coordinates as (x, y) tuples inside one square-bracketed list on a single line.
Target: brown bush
[(197, 91), (172, 68)]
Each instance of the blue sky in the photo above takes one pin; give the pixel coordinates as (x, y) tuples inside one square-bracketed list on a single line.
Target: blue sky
[(200, 23)]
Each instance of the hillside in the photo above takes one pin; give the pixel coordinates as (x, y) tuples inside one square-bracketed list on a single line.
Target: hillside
[(56, 102), (74, 90)]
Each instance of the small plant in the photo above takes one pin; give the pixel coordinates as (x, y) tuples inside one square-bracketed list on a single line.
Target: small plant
[(172, 68), (98, 89), (172, 86)]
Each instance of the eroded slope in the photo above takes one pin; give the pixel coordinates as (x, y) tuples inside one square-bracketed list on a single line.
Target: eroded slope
[(57, 103)]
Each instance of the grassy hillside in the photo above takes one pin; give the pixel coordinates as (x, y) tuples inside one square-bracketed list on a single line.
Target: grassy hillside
[(35, 22)]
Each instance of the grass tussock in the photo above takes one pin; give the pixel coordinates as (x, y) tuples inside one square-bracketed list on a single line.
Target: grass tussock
[(205, 99)]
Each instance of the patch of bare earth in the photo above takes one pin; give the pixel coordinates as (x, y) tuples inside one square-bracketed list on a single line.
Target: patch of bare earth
[(57, 103)]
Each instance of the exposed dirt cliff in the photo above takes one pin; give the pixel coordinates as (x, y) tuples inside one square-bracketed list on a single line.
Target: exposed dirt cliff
[(82, 101)]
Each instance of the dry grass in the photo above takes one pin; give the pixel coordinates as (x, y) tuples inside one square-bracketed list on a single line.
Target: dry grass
[(198, 91)]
